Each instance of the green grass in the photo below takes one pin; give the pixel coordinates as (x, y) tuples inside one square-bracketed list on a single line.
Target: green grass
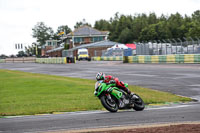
[(24, 93)]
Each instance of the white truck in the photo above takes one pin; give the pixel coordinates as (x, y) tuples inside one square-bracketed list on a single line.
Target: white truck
[(83, 54)]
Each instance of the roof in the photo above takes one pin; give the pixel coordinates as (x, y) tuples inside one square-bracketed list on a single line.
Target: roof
[(87, 31), (105, 43), (120, 46), (132, 46)]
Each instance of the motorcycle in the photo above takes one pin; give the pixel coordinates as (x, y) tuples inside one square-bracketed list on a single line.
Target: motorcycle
[(114, 98)]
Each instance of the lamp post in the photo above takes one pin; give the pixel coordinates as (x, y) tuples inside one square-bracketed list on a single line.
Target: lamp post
[(192, 43), (181, 45), (187, 43), (198, 40), (165, 45), (176, 44), (143, 48), (171, 44), (156, 46), (161, 46)]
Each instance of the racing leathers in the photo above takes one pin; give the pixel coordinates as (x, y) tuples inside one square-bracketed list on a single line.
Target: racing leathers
[(118, 83)]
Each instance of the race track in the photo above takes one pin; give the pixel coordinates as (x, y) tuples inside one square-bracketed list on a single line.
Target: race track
[(181, 79), (99, 119)]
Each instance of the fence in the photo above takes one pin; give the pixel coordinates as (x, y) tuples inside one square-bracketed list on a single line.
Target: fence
[(54, 60), (166, 48), (2, 60), (67, 53), (20, 60), (108, 58), (158, 47)]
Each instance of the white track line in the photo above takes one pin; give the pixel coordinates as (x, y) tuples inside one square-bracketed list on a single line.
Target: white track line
[(171, 107)]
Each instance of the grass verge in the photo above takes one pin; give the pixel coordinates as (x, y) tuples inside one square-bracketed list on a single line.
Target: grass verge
[(23, 93)]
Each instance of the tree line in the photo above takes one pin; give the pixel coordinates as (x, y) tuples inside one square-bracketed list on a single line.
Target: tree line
[(143, 27)]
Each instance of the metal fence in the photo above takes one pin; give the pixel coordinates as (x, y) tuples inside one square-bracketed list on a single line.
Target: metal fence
[(158, 47), (113, 52), (167, 48), (67, 53)]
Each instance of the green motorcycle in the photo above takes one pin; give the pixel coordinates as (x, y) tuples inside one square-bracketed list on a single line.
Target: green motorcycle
[(113, 98)]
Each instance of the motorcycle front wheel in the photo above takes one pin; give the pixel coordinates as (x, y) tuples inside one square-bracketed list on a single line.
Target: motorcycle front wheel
[(109, 103)]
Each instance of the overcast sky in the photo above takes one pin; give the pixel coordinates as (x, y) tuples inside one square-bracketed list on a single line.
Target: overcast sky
[(18, 17)]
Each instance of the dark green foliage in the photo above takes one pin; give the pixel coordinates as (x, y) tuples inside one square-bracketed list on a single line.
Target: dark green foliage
[(42, 33), (102, 25), (79, 24), (143, 27), (21, 54), (3, 56), (63, 28), (66, 46)]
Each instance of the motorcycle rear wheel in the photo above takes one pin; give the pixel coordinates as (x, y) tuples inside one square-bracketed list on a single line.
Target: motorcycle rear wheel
[(138, 103), (110, 105)]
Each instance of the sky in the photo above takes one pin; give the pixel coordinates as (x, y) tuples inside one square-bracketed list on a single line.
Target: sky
[(18, 17)]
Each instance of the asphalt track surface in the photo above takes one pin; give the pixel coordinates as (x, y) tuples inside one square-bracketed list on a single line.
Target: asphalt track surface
[(181, 79)]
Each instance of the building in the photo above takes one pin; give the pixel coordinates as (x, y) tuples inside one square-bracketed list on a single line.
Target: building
[(85, 35), (79, 37), (94, 49), (49, 45)]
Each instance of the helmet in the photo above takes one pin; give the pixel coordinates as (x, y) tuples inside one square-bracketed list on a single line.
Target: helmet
[(100, 76)]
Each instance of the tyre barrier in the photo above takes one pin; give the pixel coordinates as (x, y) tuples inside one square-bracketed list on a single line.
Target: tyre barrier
[(107, 58), (56, 60), (186, 58)]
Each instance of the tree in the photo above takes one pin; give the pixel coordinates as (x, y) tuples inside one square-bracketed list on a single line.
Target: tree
[(79, 24), (21, 54), (125, 36), (3, 56), (194, 30), (113, 24), (118, 24), (157, 31), (196, 16), (139, 22), (174, 24), (102, 25), (42, 33), (152, 18), (63, 28)]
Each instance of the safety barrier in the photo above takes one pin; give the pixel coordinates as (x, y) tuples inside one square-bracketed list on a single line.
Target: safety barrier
[(108, 58), (2, 60), (20, 60), (184, 58), (56, 60)]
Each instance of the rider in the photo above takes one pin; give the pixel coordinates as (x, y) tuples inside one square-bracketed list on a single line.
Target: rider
[(111, 79)]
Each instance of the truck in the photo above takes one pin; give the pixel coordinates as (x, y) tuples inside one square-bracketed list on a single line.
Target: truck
[(83, 54)]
